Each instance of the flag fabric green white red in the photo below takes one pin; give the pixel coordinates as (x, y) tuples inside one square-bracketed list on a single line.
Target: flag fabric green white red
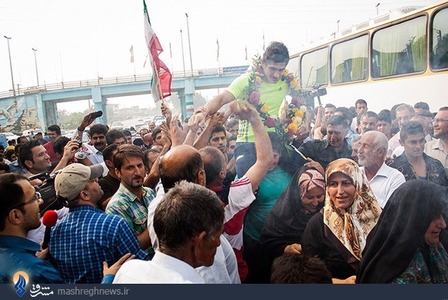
[(161, 78)]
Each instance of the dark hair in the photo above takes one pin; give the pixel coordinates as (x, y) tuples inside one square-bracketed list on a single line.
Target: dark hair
[(232, 122), (410, 128), (187, 171), (338, 120), (385, 116), (145, 157), (422, 105), (276, 52), (26, 153), (138, 142), (329, 105), (127, 132), (214, 165), (108, 151), (155, 132), (55, 128), (12, 194), (9, 153), (114, 134), (425, 113), (98, 129), (299, 268), (124, 151), (185, 211), (218, 128), (360, 101), (4, 167), (59, 144), (367, 114)]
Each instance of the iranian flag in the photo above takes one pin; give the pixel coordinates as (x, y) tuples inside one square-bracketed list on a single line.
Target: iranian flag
[(161, 75)]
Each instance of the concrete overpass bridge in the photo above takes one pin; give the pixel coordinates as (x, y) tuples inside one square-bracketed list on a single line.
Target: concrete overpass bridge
[(39, 102)]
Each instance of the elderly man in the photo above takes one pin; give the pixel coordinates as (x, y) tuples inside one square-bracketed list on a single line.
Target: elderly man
[(188, 223), (19, 213), (87, 237), (438, 148), (383, 179)]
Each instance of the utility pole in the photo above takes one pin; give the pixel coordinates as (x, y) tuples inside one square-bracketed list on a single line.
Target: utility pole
[(35, 64), (189, 45), (10, 66), (182, 45)]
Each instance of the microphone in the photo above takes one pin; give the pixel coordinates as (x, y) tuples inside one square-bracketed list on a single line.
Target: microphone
[(49, 220)]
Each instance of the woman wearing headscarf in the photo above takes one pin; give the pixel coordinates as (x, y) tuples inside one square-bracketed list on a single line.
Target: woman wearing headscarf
[(287, 220), (405, 245), (338, 233)]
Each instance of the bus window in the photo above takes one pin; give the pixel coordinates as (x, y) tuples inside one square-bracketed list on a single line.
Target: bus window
[(349, 60), (313, 70), (399, 49), (439, 45)]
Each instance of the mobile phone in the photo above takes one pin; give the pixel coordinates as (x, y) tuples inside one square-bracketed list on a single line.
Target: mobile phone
[(96, 114)]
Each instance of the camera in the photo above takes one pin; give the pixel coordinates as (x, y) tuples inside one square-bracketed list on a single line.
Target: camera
[(46, 189), (96, 114)]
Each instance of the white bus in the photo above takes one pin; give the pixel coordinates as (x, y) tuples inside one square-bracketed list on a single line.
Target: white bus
[(400, 57)]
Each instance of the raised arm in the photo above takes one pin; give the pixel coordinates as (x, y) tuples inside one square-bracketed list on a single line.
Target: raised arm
[(263, 145), (210, 107)]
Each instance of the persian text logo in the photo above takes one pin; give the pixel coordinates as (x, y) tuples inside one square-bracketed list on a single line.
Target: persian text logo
[(20, 280), (38, 290)]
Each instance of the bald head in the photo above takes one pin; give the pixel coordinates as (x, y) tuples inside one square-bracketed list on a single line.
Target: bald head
[(214, 165), (182, 162)]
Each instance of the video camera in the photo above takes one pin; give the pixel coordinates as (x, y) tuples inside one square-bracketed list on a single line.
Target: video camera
[(315, 91), (46, 189)]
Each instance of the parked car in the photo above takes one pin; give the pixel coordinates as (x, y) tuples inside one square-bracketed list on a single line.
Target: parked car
[(10, 136), (158, 120)]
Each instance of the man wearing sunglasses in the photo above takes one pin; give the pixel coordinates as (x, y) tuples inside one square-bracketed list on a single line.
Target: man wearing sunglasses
[(19, 213)]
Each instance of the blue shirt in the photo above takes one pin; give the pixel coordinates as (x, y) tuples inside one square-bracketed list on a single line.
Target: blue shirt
[(18, 254), (85, 238)]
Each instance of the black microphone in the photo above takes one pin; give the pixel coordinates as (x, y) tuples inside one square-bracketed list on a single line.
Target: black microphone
[(49, 220)]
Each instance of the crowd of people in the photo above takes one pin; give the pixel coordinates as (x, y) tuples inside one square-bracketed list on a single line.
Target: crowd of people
[(352, 196)]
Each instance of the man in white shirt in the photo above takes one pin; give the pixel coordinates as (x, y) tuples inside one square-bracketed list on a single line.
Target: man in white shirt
[(383, 179), (404, 113), (188, 223), (438, 148)]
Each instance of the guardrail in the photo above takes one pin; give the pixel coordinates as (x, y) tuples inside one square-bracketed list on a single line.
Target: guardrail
[(116, 80)]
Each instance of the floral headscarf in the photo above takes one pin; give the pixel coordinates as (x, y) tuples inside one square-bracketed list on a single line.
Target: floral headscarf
[(352, 225), (310, 179)]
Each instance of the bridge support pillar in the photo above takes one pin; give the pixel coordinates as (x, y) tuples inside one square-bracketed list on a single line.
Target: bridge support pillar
[(99, 103), (188, 97), (49, 115)]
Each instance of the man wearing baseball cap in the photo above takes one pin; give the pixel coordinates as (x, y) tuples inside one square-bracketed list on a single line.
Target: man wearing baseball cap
[(87, 237)]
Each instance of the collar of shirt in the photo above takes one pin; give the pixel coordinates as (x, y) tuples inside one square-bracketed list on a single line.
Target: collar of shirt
[(128, 194), (9, 241)]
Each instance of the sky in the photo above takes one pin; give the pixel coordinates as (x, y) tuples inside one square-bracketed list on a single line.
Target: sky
[(84, 39)]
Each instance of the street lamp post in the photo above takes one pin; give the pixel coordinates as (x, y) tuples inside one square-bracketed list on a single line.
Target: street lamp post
[(377, 8), (189, 45), (182, 45), (35, 64), (10, 66)]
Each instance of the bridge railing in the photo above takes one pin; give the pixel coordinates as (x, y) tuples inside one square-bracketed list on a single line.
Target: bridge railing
[(119, 79)]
